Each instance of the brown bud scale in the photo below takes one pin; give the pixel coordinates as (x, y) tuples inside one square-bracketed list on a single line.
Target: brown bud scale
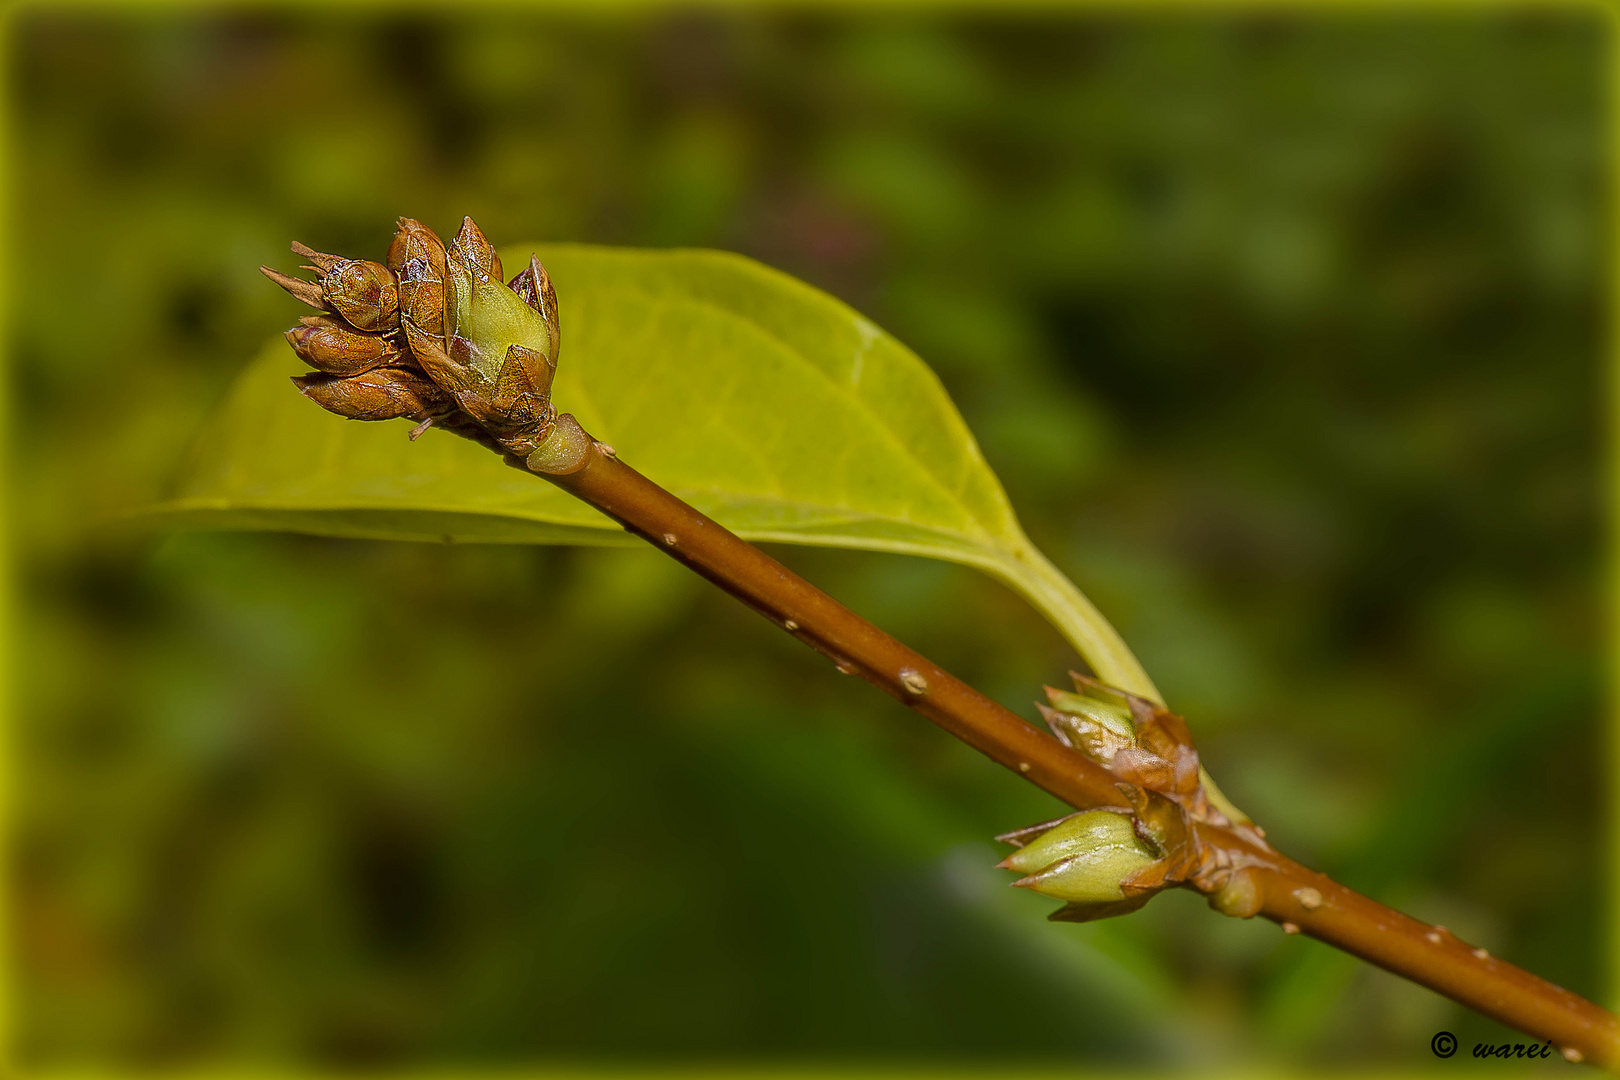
[(330, 345), (379, 394)]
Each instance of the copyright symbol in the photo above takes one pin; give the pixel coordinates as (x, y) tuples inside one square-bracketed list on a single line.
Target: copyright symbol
[(1444, 1044)]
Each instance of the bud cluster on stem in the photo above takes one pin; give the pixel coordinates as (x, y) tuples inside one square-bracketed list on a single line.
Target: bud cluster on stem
[(1150, 751), (435, 336)]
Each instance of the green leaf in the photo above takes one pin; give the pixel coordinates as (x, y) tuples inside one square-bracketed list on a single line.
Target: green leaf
[(765, 403)]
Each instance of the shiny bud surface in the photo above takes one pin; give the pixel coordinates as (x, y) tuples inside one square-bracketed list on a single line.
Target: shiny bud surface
[(1083, 859), (1071, 836), (379, 394), (533, 287), (1116, 718), (417, 258), (331, 346), (365, 293), (491, 318), (475, 253)]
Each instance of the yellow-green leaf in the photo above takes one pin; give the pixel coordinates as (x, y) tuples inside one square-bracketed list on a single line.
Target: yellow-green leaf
[(765, 403)]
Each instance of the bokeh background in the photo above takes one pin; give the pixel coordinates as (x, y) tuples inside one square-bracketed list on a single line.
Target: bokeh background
[(1285, 331)]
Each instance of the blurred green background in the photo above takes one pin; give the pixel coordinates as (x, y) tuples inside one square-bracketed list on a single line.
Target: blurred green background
[(1285, 332)]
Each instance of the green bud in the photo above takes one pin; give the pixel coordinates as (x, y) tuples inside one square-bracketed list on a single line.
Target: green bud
[(487, 319), (563, 450), (1083, 859), (1071, 836), (1239, 896), (1115, 717), (1099, 729)]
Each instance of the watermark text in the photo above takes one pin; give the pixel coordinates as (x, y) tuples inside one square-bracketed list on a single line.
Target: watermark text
[(1444, 1045)]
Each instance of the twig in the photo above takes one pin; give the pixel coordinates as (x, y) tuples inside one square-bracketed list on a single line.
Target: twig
[(401, 340), (1301, 900)]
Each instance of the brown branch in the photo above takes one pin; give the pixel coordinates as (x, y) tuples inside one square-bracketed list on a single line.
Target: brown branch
[(1301, 900)]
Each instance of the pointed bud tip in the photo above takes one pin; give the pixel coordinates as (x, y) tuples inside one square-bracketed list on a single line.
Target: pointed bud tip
[(474, 252), (307, 291), (324, 262)]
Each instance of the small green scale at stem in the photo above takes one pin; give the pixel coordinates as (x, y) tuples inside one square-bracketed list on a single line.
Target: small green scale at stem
[(436, 337)]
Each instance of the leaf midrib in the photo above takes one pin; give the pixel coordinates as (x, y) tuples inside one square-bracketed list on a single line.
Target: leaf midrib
[(924, 540)]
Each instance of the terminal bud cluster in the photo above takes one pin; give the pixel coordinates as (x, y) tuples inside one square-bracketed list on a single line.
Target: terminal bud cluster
[(434, 335)]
